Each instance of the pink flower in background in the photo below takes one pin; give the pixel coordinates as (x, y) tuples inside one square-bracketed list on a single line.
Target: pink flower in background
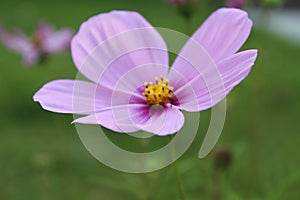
[(236, 3), (132, 88), (44, 41)]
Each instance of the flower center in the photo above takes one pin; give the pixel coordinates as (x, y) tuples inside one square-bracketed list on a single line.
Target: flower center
[(36, 40), (159, 92)]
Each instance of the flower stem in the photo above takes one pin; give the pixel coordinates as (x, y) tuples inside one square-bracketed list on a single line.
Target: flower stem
[(179, 182), (216, 193), (177, 175)]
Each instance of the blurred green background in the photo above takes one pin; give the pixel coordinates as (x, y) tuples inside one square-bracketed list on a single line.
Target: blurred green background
[(42, 157)]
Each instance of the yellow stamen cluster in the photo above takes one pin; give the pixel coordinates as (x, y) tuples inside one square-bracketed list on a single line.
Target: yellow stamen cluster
[(159, 92)]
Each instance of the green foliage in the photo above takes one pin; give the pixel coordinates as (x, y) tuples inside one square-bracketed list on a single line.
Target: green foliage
[(272, 3)]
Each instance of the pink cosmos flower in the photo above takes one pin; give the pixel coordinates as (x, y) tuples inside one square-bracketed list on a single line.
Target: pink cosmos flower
[(132, 88), (44, 41), (236, 3)]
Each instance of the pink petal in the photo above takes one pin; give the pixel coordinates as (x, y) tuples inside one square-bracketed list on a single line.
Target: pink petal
[(193, 69), (161, 120), (208, 93), (57, 41), (116, 118), (224, 32), (60, 96), (119, 78), (80, 97), (236, 68), (104, 38), (44, 30), (133, 117), (31, 56), (192, 60), (15, 41)]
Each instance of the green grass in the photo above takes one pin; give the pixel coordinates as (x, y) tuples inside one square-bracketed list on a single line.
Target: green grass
[(42, 157)]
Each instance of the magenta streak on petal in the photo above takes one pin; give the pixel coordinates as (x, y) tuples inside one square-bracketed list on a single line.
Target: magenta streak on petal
[(162, 121)]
